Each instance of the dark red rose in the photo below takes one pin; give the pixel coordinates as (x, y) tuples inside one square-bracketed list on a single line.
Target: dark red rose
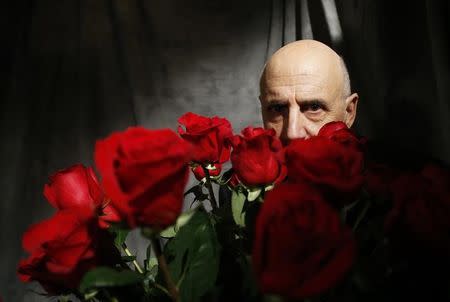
[(379, 178), (207, 135), (301, 248), (144, 172), (233, 181), (258, 157), (339, 132), (199, 171), (63, 248), (336, 167), (421, 209), (77, 186)]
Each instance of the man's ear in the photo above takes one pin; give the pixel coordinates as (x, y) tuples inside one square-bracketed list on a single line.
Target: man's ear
[(351, 103)]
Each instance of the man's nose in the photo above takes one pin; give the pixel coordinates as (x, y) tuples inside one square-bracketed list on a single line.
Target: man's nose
[(295, 125)]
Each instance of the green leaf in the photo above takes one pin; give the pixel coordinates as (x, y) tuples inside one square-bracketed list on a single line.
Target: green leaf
[(253, 194), (193, 257), (169, 232), (269, 187), (196, 190), (120, 234), (108, 277), (147, 258), (152, 269), (172, 230), (237, 205), (90, 294), (128, 258)]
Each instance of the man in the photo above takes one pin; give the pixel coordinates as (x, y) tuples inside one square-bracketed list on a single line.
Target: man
[(305, 85)]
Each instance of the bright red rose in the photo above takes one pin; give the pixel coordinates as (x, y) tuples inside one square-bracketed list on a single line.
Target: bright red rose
[(144, 172), (331, 165), (258, 157), (74, 186), (421, 209), (77, 186), (301, 248), (63, 248), (207, 135), (199, 171), (332, 129)]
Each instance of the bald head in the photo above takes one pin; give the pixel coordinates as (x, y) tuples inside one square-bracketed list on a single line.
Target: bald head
[(307, 57), (309, 77)]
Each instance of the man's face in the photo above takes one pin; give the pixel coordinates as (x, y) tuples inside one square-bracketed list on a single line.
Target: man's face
[(297, 99), (297, 107)]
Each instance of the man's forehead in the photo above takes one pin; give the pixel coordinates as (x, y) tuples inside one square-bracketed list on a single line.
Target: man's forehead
[(301, 93), (269, 81)]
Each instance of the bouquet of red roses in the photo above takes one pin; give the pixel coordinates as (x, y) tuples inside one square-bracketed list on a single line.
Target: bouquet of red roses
[(309, 221)]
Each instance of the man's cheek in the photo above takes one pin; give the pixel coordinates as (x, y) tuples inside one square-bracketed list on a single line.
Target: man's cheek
[(277, 126), (313, 128)]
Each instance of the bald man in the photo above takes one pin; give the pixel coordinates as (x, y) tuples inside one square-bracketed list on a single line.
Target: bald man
[(305, 85)]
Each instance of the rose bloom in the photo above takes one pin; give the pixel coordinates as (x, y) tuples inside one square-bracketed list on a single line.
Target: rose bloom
[(144, 172), (77, 186), (378, 179), (333, 160), (301, 248), (258, 157), (207, 135), (63, 248), (339, 132), (421, 210)]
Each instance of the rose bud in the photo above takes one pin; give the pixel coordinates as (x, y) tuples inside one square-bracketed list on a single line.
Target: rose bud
[(63, 248), (144, 172), (199, 172), (207, 135), (258, 157), (77, 186), (233, 181), (301, 248)]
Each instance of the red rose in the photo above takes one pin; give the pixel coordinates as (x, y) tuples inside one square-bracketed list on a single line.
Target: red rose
[(339, 132), (301, 248), (257, 157), (199, 171), (421, 209), (207, 135), (63, 248), (233, 181), (74, 186), (329, 163), (379, 178), (77, 186), (144, 173)]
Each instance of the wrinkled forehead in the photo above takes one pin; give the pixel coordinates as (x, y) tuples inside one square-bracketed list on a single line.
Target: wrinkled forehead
[(310, 73)]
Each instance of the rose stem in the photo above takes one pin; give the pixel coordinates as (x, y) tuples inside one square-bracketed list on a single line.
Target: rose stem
[(162, 265), (128, 253), (210, 188)]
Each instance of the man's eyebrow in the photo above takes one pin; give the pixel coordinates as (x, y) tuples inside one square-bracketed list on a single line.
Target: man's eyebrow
[(319, 102), (280, 101)]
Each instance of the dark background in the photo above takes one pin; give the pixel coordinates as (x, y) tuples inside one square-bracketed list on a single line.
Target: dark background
[(73, 71)]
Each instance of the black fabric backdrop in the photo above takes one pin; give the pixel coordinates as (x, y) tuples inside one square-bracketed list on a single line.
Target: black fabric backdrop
[(73, 71)]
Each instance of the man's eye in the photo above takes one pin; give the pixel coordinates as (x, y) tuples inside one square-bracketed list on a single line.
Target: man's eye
[(311, 107), (276, 108)]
